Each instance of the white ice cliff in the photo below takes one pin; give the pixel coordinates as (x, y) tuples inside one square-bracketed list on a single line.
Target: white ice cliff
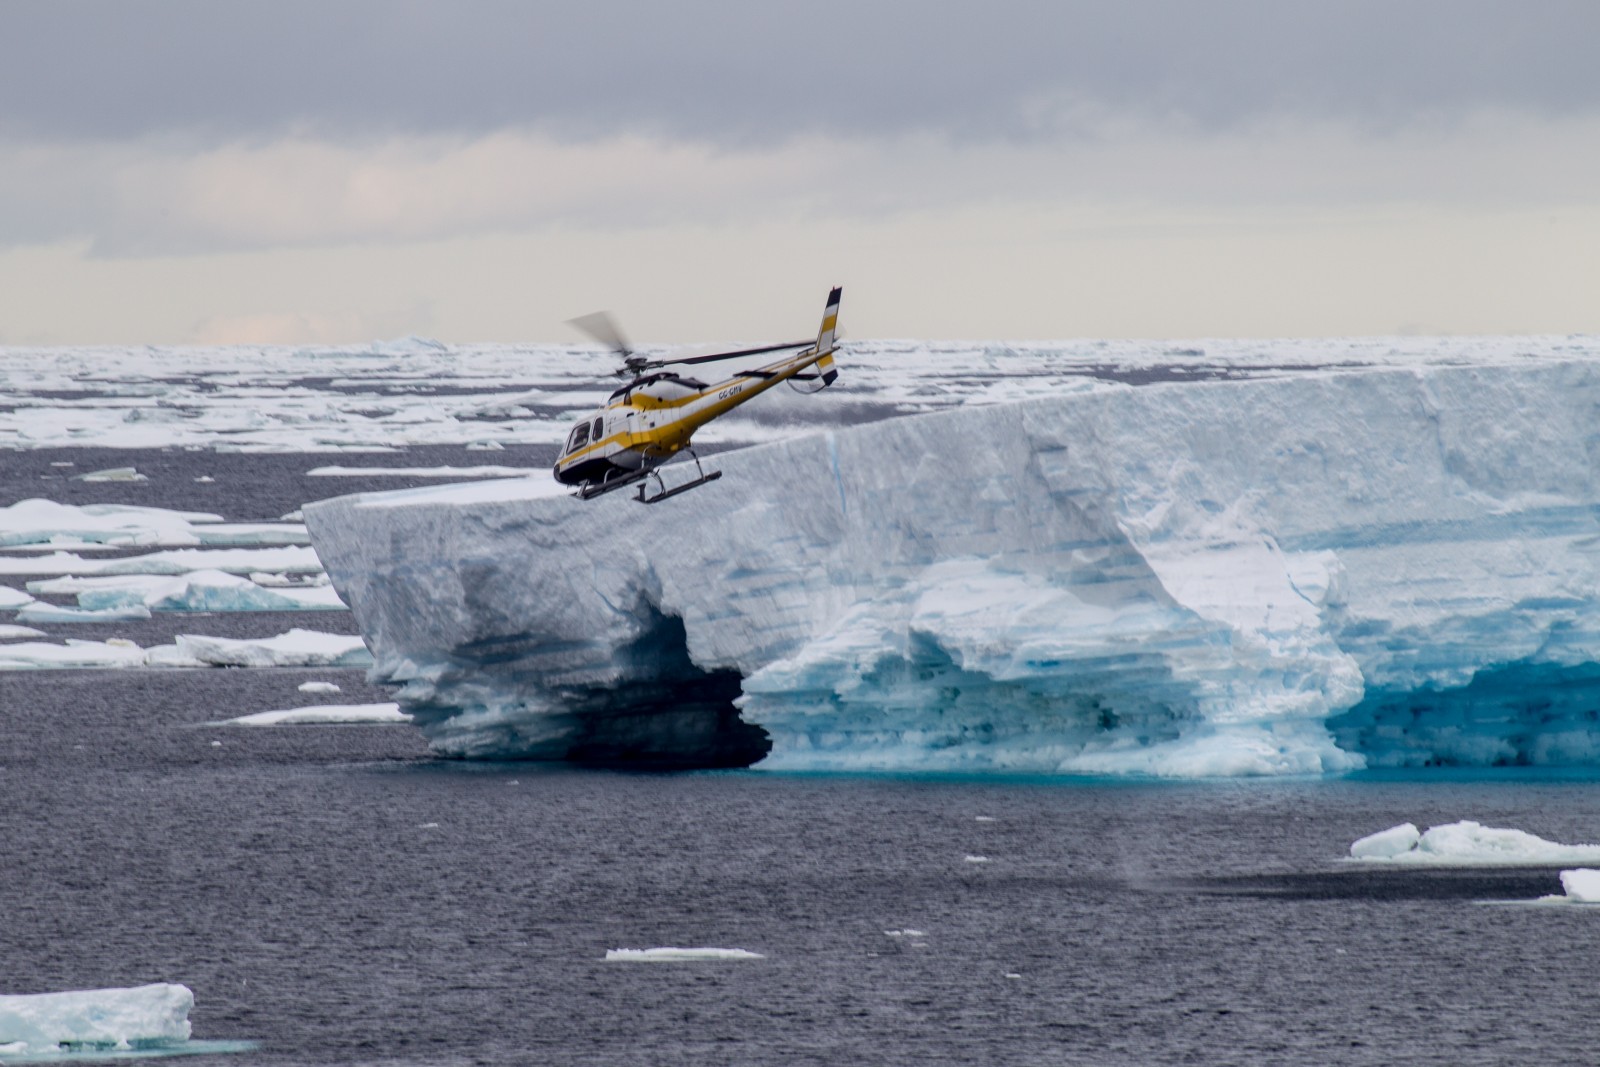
[(1301, 574)]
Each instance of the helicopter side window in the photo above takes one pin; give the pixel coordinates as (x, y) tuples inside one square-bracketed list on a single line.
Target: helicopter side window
[(599, 428), (579, 438)]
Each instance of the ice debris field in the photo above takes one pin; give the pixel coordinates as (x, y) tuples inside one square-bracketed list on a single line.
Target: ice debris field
[(1305, 573)]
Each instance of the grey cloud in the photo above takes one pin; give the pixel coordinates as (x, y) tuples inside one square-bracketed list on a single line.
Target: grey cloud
[(745, 73)]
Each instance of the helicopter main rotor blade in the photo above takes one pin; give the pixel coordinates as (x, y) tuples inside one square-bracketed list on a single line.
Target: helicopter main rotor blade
[(734, 355), (603, 328)]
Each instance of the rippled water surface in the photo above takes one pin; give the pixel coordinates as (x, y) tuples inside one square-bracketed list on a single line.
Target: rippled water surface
[(337, 896)]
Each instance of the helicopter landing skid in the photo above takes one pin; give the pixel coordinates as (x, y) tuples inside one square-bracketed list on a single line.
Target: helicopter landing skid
[(644, 498), (611, 485)]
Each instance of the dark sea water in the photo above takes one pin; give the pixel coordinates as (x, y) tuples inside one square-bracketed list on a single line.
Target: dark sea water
[(338, 896)]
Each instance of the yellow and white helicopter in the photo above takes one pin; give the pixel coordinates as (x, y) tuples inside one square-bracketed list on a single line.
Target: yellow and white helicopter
[(651, 419)]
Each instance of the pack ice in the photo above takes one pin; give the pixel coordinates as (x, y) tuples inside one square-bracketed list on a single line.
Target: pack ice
[(1292, 575)]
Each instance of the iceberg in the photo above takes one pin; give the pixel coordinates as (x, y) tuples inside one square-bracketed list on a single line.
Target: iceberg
[(1301, 574), (1467, 844), (142, 1017)]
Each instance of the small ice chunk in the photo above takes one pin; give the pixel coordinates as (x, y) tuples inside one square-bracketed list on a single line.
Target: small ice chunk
[(1386, 844), (205, 479), (112, 474), (678, 955), (977, 859), (317, 687), (1582, 885), (907, 932), (141, 1017), (12, 633), (1471, 844), (323, 714), (1013, 974), (986, 818)]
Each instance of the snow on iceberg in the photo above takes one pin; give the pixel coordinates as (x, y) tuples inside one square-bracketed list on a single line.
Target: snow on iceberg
[(141, 1017), (1304, 574), (1467, 844), (203, 590)]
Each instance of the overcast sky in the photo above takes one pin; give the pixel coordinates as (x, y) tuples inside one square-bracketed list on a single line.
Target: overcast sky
[(300, 172)]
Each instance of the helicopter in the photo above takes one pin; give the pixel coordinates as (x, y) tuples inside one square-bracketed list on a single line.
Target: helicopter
[(651, 419)]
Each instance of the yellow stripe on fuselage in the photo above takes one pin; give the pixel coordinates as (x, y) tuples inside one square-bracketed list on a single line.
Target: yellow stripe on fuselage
[(673, 435)]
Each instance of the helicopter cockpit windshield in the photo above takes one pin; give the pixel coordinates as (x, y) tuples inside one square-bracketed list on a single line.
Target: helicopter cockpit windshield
[(578, 438)]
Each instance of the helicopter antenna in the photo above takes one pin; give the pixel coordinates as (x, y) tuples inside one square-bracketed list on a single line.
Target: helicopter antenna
[(603, 328)]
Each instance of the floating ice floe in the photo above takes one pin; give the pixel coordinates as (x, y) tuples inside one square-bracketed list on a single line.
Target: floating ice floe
[(292, 559), (13, 598), (39, 611), (45, 522), (678, 955), (323, 715), (317, 687), (9, 632), (424, 472), (95, 1020), (295, 648), (1467, 844), (204, 590), (112, 474)]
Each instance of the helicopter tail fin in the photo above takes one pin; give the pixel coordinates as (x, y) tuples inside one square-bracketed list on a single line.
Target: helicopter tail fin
[(830, 320), (822, 374)]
